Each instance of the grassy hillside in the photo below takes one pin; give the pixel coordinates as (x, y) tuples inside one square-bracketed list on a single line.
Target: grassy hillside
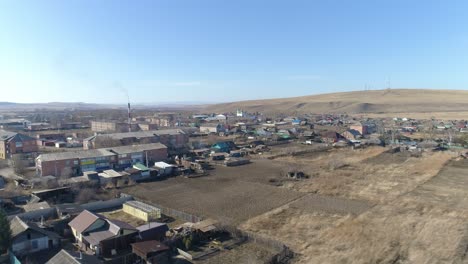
[(375, 101)]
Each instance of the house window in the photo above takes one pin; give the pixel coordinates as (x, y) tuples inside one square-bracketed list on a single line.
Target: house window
[(29, 236), (34, 244)]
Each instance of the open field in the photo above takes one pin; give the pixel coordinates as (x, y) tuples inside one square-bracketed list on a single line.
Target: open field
[(229, 194), (365, 174), (366, 205), (389, 101), (453, 115), (419, 218)]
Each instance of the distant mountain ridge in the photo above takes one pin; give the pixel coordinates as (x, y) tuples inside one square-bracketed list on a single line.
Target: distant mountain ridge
[(52, 105), (82, 105), (370, 101)]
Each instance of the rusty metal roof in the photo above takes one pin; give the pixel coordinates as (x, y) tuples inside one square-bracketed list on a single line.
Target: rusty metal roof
[(82, 221), (150, 246)]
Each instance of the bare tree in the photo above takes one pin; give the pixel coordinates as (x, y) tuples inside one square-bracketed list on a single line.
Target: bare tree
[(85, 195), (66, 173), (18, 164)]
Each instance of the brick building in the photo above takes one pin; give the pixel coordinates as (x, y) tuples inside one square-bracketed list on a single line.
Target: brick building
[(76, 162), (146, 154), (172, 138), (113, 126), (13, 143)]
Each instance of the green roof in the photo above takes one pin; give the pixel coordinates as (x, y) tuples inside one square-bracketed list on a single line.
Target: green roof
[(140, 167)]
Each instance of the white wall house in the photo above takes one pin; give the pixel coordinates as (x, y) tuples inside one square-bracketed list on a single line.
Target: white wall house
[(29, 238)]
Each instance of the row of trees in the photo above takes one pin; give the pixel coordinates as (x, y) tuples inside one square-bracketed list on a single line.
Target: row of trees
[(5, 232)]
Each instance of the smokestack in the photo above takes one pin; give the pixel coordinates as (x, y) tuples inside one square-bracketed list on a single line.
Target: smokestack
[(129, 118)]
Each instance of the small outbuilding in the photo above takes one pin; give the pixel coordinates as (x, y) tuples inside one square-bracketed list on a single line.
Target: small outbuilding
[(151, 251), (142, 210), (164, 168)]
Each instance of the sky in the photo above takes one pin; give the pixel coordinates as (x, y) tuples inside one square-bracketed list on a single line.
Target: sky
[(217, 51)]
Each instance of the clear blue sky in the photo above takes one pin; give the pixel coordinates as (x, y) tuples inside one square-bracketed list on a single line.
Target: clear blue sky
[(195, 50)]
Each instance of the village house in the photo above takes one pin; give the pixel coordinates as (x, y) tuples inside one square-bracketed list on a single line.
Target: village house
[(102, 236), (361, 128), (68, 257), (164, 169), (89, 179), (212, 128), (28, 238), (223, 146), (13, 143), (35, 206), (217, 118), (112, 178), (152, 231), (151, 251), (330, 137), (138, 172), (351, 134)]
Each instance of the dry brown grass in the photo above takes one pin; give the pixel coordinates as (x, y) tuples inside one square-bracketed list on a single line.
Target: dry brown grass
[(395, 233), (296, 228), (396, 101), (420, 218), (453, 115), (392, 174)]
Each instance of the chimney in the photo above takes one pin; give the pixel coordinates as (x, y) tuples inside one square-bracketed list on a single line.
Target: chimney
[(129, 118)]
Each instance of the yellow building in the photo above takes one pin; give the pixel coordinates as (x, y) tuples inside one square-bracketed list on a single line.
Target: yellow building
[(142, 211)]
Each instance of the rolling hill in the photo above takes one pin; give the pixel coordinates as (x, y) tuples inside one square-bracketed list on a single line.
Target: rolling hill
[(373, 101)]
